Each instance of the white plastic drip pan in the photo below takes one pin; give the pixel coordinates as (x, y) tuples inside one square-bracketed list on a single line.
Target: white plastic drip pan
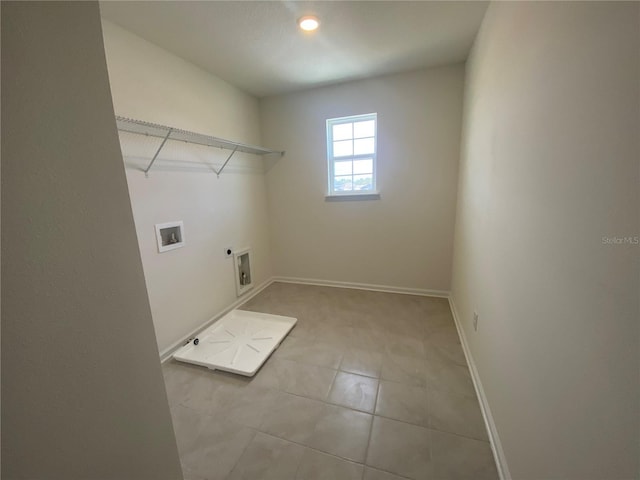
[(240, 342)]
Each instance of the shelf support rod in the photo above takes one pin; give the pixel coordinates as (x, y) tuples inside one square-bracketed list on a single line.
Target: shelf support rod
[(164, 140), (225, 162)]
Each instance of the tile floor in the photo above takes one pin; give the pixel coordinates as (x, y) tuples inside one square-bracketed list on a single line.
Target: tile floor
[(368, 385)]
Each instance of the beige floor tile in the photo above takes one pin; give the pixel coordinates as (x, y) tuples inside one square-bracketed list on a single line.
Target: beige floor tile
[(455, 413), (460, 458), (347, 315), (354, 391), (444, 335), (362, 362), (360, 319), (292, 418), (404, 345), (206, 396), (249, 406), (303, 330), (438, 320), (342, 432), (273, 306), (189, 475), (320, 466), (268, 458), (366, 338), (403, 402), (405, 369), (203, 390), (297, 378), (410, 327), (449, 376), (311, 381), (434, 305), (276, 374), (229, 379), (445, 353), (335, 334), (179, 379), (375, 474), (208, 446), (185, 425), (400, 448), (309, 351)]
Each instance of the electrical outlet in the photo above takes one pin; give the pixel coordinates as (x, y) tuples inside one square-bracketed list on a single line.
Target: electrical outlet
[(228, 252), (475, 321)]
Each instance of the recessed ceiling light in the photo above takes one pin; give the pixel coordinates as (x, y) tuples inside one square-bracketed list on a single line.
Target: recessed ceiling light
[(309, 23)]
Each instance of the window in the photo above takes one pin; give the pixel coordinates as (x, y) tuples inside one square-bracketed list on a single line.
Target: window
[(351, 154)]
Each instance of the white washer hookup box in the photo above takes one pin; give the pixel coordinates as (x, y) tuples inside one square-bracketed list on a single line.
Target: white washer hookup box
[(240, 342)]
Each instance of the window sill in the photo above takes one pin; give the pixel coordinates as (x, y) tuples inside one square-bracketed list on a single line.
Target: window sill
[(352, 197)]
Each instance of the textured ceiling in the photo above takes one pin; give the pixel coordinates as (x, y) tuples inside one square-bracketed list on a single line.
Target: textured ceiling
[(258, 47)]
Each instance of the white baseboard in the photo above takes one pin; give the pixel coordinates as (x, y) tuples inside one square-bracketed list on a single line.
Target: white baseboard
[(494, 439), (364, 286), (166, 353)]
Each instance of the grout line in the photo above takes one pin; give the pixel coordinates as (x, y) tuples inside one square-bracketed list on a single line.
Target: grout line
[(363, 464), (423, 358), (299, 463), (373, 418), (255, 432), (327, 403), (311, 448), (428, 406), (382, 416), (387, 471)]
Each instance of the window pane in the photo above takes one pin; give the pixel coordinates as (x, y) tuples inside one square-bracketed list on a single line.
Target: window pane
[(343, 149), (363, 146), (364, 129), (362, 166), (343, 184), (343, 168), (363, 182), (352, 154), (342, 131)]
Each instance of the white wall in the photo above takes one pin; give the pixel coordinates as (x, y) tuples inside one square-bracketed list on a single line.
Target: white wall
[(405, 238), (189, 285), (82, 391), (550, 166)]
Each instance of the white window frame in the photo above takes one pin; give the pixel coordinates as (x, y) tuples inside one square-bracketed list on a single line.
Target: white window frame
[(331, 159)]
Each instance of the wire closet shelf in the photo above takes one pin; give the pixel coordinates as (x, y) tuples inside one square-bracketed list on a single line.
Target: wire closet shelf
[(166, 133)]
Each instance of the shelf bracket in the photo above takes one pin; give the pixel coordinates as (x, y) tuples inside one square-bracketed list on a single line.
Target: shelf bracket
[(218, 172), (164, 140)]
